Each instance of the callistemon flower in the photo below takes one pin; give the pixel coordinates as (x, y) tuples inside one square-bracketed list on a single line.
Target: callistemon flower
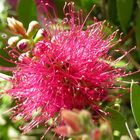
[(69, 68)]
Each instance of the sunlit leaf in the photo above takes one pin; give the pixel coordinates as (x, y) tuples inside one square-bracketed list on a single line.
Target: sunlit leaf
[(137, 131), (3, 13)]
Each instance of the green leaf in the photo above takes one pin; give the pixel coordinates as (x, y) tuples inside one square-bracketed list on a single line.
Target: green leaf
[(112, 10), (135, 102), (87, 5), (124, 10), (60, 4), (26, 11), (137, 31), (3, 30), (97, 2), (118, 123)]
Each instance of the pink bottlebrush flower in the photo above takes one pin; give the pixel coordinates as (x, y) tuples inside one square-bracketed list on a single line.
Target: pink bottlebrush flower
[(70, 68)]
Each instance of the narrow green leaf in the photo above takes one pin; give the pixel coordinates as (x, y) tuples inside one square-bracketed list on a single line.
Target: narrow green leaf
[(26, 11), (137, 31), (124, 10), (112, 10), (135, 102), (118, 122)]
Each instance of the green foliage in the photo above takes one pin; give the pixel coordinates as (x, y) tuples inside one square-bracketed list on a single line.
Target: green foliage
[(87, 5), (3, 32), (118, 123), (112, 10), (3, 13), (59, 4), (124, 10), (135, 102), (138, 30), (26, 11)]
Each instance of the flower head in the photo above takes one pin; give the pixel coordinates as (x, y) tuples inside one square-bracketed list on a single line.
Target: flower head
[(69, 68)]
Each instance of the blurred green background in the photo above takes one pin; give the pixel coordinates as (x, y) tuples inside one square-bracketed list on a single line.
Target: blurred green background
[(121, 14)]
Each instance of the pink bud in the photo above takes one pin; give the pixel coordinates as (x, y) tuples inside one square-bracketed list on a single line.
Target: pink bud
[(16, 26), (95, 134), (71, 119), (23, 44)]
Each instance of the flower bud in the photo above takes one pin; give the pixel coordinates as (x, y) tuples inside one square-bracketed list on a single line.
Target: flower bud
[(85, 117), (23, 45), (12, 41), (95, 134), (116, 106), (32, 29), (71, 119), (16, 26), (40, 35), (86, 121), (106, 131)]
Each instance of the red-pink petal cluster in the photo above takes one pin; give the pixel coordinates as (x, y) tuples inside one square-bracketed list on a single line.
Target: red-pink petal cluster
[(71, 68)]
